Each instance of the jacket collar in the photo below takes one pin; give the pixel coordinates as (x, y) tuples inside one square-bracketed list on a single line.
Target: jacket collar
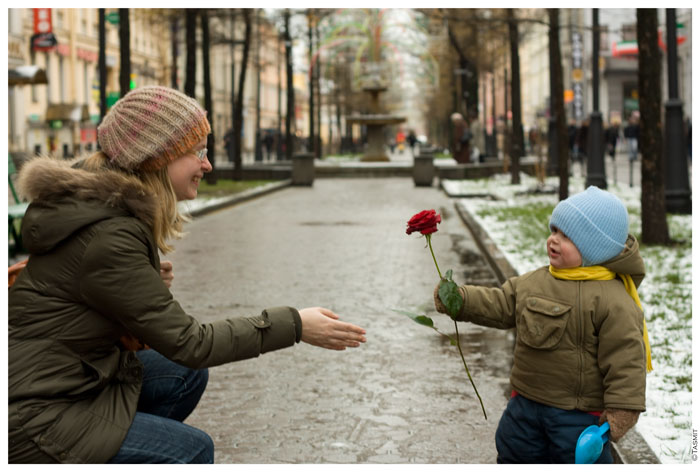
[(46, 179)]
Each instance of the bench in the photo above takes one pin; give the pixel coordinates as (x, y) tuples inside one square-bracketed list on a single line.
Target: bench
[(15, 212)]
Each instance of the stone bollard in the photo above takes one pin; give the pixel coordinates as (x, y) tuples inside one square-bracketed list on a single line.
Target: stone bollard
[(303, 171), (423, 170)]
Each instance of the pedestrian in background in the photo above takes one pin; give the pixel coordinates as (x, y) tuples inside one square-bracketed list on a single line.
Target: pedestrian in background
[(412, 140), (478, 142), (104, 365), (581, 350), (631, 133), (612, 133)]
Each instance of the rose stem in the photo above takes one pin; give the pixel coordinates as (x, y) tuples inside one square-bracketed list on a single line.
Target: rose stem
[(459, 346), (430, 245)]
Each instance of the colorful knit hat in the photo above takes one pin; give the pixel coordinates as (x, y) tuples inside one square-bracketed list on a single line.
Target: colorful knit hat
[(595, 221), (150, 127)]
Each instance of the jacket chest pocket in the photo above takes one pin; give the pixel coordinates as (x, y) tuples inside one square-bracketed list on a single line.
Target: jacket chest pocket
[(542, 323)]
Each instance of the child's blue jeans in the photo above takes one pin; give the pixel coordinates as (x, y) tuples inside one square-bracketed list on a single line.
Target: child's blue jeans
[(169, 393), (533, 433)]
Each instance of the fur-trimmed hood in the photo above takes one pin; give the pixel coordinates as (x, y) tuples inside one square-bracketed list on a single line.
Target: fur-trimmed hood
[(65, 197)]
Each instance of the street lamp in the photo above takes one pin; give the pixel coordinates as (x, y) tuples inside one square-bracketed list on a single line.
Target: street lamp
[(596, 158), (677, 185)]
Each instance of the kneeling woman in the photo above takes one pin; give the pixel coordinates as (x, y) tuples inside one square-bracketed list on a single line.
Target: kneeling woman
[(94, 293)]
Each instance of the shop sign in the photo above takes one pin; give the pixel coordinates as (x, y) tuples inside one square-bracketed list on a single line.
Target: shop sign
[(43, 42), (112, 17), (42, 20)]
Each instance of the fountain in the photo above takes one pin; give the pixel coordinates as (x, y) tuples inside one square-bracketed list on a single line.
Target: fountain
[(374, 120)]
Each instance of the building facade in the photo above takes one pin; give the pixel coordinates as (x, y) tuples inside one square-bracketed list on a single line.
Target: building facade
[(60, 117)]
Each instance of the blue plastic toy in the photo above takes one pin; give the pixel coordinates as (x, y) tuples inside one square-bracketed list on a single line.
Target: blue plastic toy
[(590, 443)]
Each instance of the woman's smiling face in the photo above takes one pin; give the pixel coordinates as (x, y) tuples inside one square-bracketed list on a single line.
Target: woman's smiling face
[(186, 171)]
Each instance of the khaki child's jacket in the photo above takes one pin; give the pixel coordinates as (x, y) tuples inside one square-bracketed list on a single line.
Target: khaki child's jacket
[(579, 344)]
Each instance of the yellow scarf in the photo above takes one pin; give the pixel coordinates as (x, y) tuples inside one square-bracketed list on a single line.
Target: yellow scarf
[(602, 273)]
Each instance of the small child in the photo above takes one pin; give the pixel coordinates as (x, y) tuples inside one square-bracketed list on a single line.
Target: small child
[(581, 351)]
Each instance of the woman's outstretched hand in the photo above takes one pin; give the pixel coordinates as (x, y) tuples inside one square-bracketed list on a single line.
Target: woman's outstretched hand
[(321, 327)]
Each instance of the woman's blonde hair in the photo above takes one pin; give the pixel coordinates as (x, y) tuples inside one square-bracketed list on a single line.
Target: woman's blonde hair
[(168, 221)]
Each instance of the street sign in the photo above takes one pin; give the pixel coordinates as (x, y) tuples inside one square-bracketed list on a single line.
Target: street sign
[(112, 17), (43, 42)]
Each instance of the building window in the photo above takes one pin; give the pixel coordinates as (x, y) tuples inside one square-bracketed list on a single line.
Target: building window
[(604, 38), (59, 19), (629, 32)]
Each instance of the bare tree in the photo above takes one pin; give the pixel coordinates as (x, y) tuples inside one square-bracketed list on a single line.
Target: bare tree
[(557, 103), (311, 19), (654, 226), (289, 143), (238, 109), (191, 42), (102, 62), (124, 52), (174, 52), (518, 143), (211, 142)]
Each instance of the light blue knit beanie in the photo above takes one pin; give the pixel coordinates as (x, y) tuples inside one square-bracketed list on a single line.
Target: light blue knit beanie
[(595, 221)]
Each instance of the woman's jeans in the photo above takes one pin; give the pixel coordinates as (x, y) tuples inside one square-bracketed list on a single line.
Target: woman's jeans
[(169, 393), (532, 433)]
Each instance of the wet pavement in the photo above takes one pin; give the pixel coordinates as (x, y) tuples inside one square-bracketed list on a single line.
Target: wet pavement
[(403, 397)]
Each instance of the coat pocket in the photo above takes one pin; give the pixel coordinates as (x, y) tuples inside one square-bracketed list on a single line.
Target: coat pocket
[(543, 322)]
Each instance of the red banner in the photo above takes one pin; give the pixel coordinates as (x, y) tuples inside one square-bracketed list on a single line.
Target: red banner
[(42, 20)]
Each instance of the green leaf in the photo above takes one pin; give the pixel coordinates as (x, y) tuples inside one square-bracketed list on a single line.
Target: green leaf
[(448, 274), (420, 319), (450, 297)]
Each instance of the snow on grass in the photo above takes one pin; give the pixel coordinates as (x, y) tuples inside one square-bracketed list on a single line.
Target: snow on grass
[(517, 223)]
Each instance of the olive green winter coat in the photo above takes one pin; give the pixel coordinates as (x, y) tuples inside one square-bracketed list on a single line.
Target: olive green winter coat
[(579, 344), (93, 276)]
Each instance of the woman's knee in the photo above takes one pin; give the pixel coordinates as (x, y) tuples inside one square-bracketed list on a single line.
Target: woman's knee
[(204, 453)]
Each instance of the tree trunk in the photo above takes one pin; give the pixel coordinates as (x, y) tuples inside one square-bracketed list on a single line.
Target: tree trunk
[(238, 115), (312, 112), (654, 226), (124, 52), (278, 138), (289, 142), (258, 72), (557, 103), (317, 74), (102, 63), (206, 68), (230, 137), (518, 143), (174, 27), (191, 41)]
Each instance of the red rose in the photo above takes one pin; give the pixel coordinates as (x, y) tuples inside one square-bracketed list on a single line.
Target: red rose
[(426, 222)]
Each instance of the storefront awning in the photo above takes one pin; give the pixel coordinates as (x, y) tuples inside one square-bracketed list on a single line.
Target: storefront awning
[(67, 112), (27, 75)]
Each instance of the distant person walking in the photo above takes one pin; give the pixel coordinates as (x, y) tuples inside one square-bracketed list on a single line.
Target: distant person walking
[(400, 141), (631, 134), (478, 142), (104, 364), (412, 140), (612, 134)]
